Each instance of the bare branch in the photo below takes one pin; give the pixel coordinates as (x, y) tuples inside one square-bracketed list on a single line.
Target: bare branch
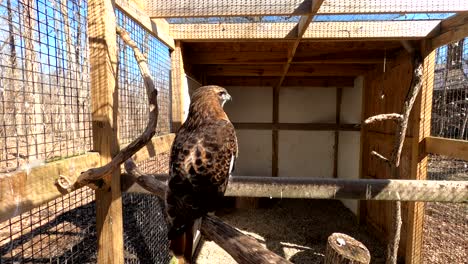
[(380, 156), (383, 117), (95, 174), (416, 84)]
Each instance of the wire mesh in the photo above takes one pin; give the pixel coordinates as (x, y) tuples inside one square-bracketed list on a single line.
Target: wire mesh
[(145, 229), (446, 225), (61, 231), (44, 88), (133, 101)]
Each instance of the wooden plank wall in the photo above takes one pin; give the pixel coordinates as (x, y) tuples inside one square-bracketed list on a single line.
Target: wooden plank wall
[(385, 91)]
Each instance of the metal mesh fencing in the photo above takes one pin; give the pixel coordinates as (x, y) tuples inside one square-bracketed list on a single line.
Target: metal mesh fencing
[(446, 225), (61, 231), (133, 101), (145, 229), (44, 88)]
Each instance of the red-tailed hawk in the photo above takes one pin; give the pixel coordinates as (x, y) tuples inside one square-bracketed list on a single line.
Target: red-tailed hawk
[(202, 158)]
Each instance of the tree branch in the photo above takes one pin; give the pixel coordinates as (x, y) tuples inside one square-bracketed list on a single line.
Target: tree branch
[(383, 117), (415, 87), (95, 174)]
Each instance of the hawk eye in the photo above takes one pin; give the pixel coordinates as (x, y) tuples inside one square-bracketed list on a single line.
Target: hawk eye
[(222, 93)]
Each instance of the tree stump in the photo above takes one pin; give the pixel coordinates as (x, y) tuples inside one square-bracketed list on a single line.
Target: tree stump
[(343, 249)]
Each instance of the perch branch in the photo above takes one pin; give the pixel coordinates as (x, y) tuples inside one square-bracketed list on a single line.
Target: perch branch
[(242, 248), (95, 174), (383, 117)]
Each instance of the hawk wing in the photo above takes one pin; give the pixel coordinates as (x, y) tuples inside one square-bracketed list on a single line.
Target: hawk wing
[(202, 159)]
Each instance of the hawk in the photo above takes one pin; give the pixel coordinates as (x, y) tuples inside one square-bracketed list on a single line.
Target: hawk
[(202, 157)]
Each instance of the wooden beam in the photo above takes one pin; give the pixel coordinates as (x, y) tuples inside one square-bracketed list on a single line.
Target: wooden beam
[(450, 30), (391, 6), (203, 8), (351, 30), (30, 187), (281, 57), (215, 8), (327, 188), (299, 70), (104, 101), (421, 129), (179, 92), (158, 27), (157, 145), (453, 148), (339, 96), (298, 126), (288, 81)]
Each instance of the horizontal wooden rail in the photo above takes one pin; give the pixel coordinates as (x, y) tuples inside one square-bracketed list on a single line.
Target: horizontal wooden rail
[(298, 126), (453, 148), (356, 30), (29, 187), (326, 188), (216, 8), (359, 189)]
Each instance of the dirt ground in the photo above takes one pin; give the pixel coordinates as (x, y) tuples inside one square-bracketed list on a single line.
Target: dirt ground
[(294, 229)]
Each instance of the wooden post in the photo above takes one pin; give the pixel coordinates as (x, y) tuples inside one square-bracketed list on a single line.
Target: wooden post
[(103, 59), (177, 77), (339, 95), (423, 109), (343, 249)]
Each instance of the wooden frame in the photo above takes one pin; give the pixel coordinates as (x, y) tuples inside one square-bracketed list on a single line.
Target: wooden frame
[(353, 30), (269, 82), (422, 129), (158, 27), (206, 8), (453, 148), (28, 188), (104, 94)]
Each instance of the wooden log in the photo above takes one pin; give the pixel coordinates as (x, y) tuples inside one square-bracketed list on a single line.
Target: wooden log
[(242, 248), (343, 249)]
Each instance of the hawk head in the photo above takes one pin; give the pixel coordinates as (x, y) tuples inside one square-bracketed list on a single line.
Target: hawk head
[(211, 93)]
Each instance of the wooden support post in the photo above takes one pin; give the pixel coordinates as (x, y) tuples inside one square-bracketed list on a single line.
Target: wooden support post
[(178, 89), (422, 129), (339, 95), (343, 249), (103, 59)]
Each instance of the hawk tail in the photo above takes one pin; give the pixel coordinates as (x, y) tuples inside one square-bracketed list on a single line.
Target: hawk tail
[(181, 243)]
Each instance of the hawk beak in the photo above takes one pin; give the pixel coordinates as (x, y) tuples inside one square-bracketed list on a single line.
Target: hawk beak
[(227, 97)]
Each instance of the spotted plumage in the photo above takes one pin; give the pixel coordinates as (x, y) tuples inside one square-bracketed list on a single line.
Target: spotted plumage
[(202, 157)]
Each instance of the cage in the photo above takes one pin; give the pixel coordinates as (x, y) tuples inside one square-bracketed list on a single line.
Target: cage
[(304, 77)]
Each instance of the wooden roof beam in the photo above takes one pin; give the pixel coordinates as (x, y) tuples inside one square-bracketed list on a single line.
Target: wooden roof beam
[(353, 30), (288, 81), (450, 30), (217, 8)]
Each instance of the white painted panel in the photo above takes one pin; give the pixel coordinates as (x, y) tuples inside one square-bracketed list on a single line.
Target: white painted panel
[(250, 104), (307, 105), (351, 102), (306, 154), (348, 161), (254, 153)]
